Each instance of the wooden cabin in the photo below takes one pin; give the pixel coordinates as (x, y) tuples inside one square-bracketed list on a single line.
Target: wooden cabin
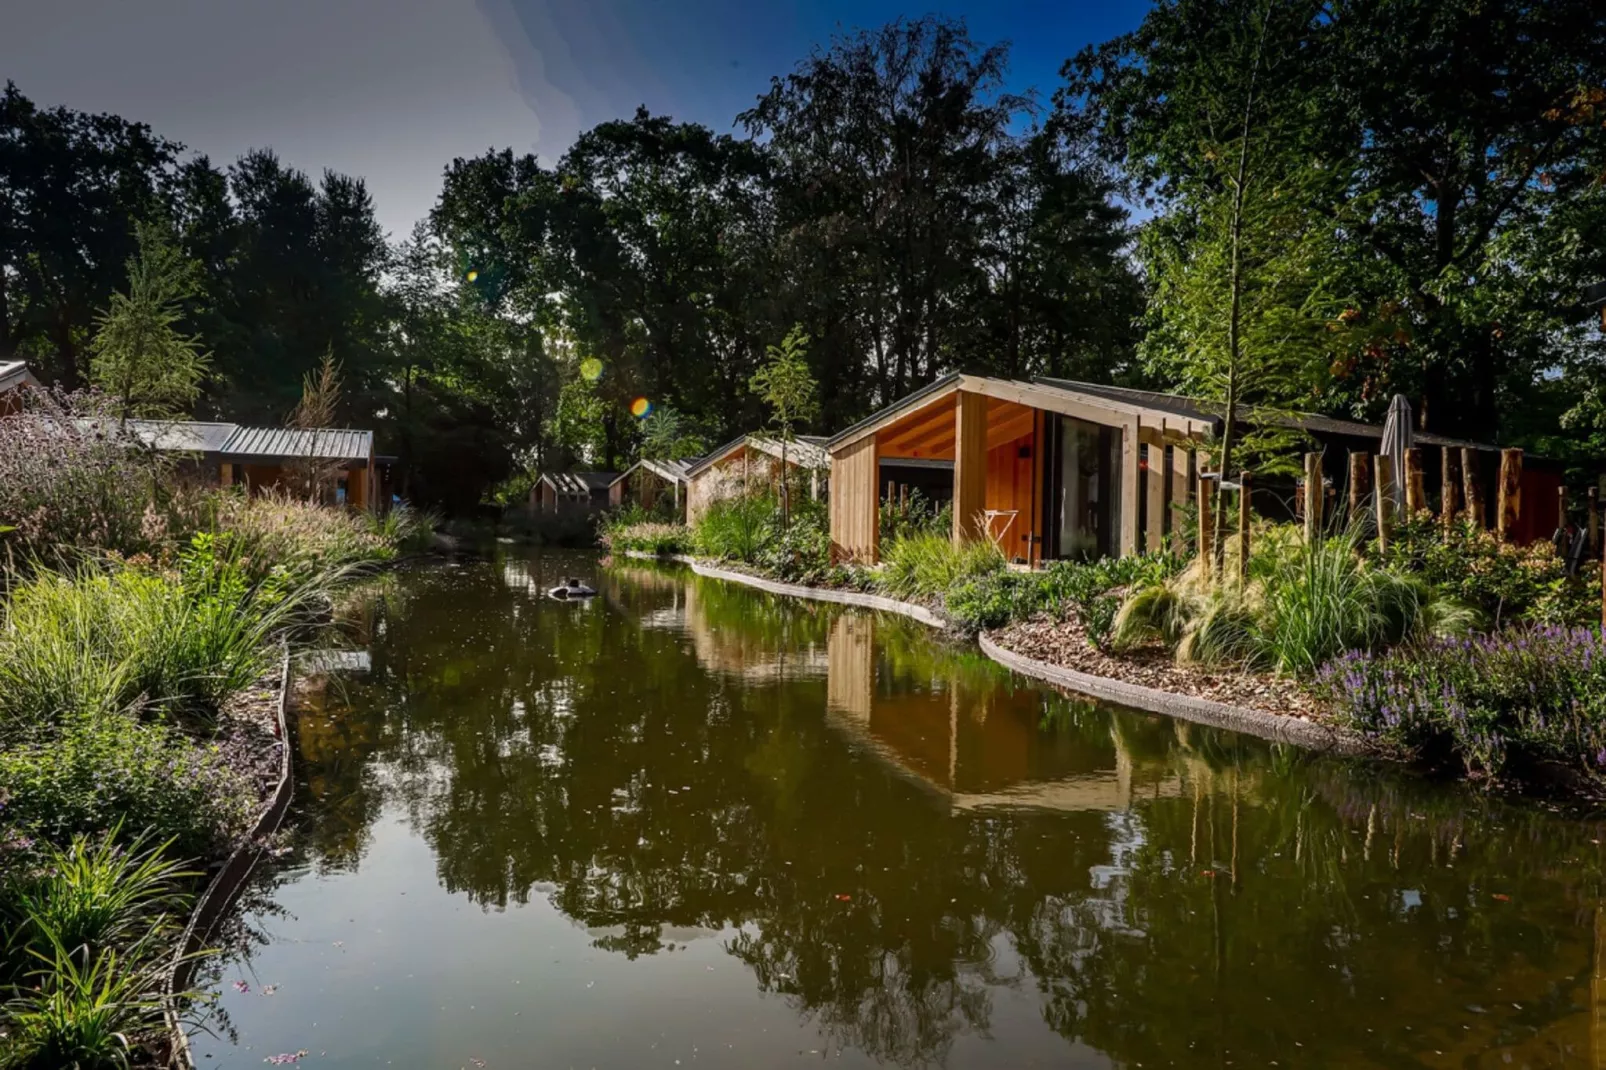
[(1042, 470), (14, 378), (571, 492), (341, 459), (751, 463), (1053, 469), (648, 483)]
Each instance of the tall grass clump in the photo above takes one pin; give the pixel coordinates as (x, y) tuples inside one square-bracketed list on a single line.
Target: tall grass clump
[(926, 564), (736, 528), (1301, 604), (92, 641), (279, 531), (90, 937)]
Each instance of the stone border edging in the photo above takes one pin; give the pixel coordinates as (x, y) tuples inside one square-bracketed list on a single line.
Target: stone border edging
[(825, 594), (228, 882), (1250, 722)]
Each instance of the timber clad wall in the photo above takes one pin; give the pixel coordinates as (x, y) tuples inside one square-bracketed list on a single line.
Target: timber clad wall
[(970, 465), (855, 502)]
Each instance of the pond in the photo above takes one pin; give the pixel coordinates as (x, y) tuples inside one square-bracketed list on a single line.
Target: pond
[(691, 824)]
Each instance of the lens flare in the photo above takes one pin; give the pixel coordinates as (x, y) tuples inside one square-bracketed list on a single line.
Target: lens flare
[(640, 407), (472, 275), (591, 369)]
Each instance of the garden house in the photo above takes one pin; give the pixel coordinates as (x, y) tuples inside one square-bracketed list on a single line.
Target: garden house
[(571, 492), (1053, 469), (648, 483), (751, 463)]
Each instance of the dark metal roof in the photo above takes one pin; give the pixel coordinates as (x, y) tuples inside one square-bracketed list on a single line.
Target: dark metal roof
[(1193, 408), (322, 444), (15, 373)]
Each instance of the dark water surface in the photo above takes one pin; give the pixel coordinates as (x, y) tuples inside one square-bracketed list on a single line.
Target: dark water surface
[(690, 824)]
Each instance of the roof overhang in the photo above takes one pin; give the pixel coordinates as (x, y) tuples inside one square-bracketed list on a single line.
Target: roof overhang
[(802, 454), (668, 473)]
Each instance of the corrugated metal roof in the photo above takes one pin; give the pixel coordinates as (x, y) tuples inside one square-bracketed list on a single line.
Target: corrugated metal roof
[(578, 484), (15, 373), (182, 436), (320, 443)]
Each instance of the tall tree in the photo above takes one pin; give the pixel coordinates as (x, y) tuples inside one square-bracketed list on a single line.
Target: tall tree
[(787, 386), (138, 355)]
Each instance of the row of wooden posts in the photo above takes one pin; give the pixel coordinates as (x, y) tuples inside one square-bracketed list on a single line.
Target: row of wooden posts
[(1459, 483)]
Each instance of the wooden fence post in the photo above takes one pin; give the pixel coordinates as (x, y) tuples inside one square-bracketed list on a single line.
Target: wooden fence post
[(1244, 510), (1473, 487), (1360, 484), (1385, 501), (1594, 518), (1510, 495), (1416, 495), (1449, 471), (1313, 496), (1206, 527)]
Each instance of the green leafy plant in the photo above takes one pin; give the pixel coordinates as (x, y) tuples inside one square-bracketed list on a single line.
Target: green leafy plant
[(926, 565), (735, 528)]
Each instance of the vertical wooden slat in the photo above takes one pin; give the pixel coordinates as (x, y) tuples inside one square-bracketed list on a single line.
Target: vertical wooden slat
[(1360, 484), (1449, 476), (1472, 487), (970, 464), (1416, 498), (1129, 487), (1154, 493), (1509, 510), (1385, 501), (1181, 483), (855, 518), (1245, 512), (1313, 496), (1206, 525)]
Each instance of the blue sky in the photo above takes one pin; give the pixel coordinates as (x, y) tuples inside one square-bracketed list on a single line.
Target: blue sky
[(393, 89)]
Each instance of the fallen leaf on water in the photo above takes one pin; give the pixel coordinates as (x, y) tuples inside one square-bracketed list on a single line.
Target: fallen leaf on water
[(1207, 873), (843, 897), (241, 986), (1502, 897)]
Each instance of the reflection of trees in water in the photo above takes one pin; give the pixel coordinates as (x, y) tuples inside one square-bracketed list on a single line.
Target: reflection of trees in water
[(1271, 898)]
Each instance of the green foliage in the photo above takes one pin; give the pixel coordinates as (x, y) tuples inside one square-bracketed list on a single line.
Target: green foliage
[(926, 566), (1524, 696), (139, 357), (915, 515), (666, 435), (1091, 591), (1303, 604), (647, 537), (736, 528), (785, 384), (1505, 583), (96, 772)]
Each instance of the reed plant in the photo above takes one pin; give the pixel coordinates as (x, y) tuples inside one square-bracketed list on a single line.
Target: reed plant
[(926, 564), (737, 528)]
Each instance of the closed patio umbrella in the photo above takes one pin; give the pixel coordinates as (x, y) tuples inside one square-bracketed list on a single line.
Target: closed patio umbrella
[(1397, 437)]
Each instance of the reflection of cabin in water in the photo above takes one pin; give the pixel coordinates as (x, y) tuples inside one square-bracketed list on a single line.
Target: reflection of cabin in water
[(752, 463), (648, 483), (571, 492), (979, 745)]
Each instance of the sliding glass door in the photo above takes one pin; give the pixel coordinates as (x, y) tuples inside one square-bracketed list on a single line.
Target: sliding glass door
[(1083, 488)]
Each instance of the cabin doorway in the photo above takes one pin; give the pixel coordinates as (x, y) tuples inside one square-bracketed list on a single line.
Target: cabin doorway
[(1082, 486)]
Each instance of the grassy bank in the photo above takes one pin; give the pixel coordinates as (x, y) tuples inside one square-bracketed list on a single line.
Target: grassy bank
[(140, 624)]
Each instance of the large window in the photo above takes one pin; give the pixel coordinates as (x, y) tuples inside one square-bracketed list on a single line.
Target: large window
[(1083, 490)]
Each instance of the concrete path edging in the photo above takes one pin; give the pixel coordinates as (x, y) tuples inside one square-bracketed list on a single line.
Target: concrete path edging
[(1268, 726)]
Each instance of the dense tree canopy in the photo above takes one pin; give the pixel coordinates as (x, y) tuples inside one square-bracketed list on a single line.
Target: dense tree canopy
[(1335, 202)]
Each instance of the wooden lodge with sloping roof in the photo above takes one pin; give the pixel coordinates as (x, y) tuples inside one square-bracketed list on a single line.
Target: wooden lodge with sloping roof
[(570, 492), (751, 462), (648, 482), (1053, 469), (14, 378)]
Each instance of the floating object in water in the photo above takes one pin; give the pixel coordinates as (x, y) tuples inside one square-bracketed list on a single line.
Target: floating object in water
[(571, 588)]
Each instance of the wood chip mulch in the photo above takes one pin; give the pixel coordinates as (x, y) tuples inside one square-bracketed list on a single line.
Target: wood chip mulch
[(1065, 644), (249, 724)]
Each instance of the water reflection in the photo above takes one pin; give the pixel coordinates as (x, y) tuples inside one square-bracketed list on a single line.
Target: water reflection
[(925, 860)]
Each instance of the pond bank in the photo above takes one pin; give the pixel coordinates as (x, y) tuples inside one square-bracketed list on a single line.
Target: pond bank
[(1297, 729)]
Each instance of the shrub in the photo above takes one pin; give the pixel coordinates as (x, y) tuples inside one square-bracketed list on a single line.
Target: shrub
[(1529, 694), (1506, 583), (801, 552), (68, 482), (1303, 603), (915, 515), (926, 565), (735, 528), (1091, 591), (993, 599), (100, 771), (89, 643), (647, 537), (302, 539)]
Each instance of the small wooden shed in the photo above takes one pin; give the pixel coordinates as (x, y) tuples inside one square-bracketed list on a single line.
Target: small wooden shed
[(750, 463), (14, 378), (648, 482), (564, 492)]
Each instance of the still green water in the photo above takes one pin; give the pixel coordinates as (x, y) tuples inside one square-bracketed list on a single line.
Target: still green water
[(690, 824)]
